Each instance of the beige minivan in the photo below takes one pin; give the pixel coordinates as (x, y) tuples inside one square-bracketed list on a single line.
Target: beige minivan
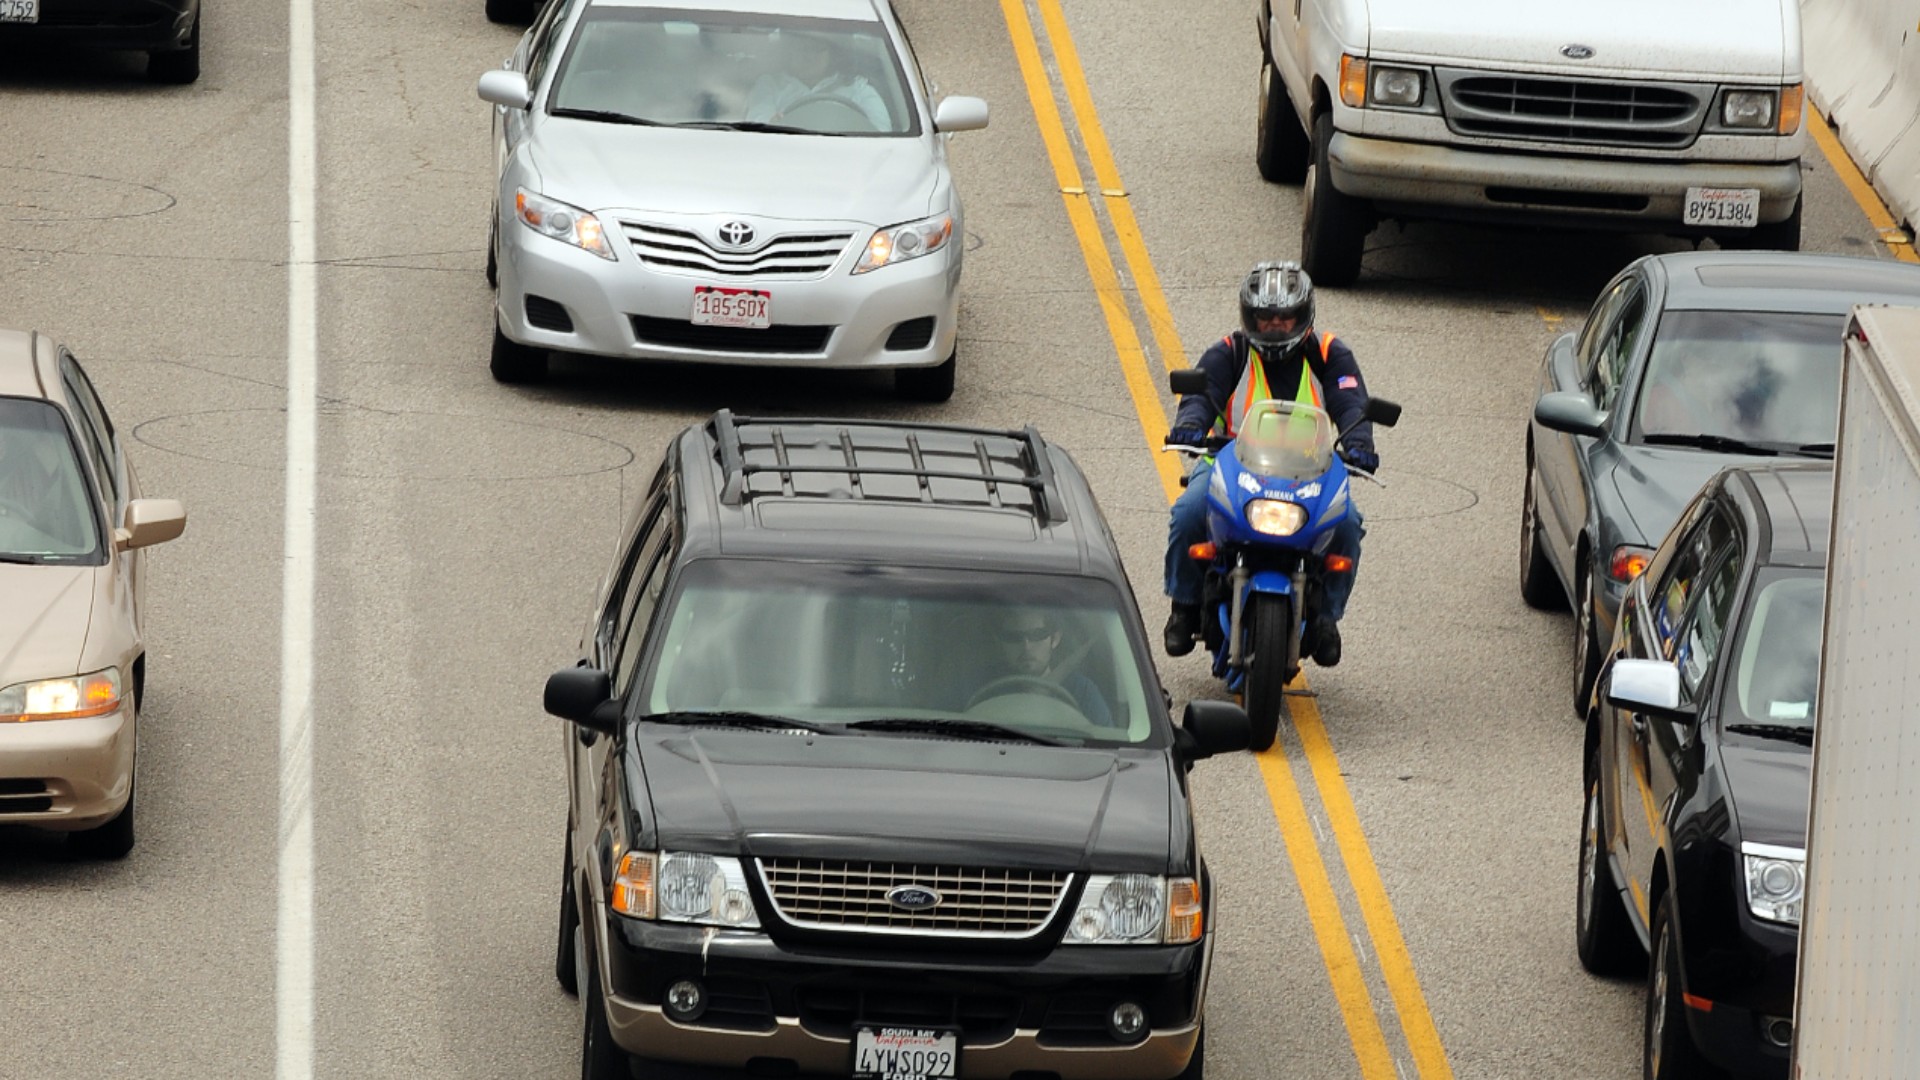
[(72, 656)]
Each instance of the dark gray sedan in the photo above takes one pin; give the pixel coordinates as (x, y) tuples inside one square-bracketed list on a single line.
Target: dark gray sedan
[(1687, 362)]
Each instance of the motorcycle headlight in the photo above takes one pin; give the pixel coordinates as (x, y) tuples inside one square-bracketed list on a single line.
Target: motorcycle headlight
[(689, 887), (1276, 518), (567, 224), (1137, 909), (72, 698), (902, 242), (1776, 882)]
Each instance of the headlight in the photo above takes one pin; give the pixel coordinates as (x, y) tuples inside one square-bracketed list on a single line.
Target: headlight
[(567, 224), (902, 242), (1396, 86), (1137, 909), (71, 698), (1276, 518), (1749, 110), (1776, 882), (690, 887)]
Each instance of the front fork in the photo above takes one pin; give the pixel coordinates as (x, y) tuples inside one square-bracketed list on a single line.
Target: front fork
[(1237, 580)]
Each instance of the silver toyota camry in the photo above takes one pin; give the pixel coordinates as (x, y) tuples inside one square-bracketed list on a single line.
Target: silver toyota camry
[(730, 181)]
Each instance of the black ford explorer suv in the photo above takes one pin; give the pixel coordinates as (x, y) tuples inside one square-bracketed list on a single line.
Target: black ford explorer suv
[(871, 773)]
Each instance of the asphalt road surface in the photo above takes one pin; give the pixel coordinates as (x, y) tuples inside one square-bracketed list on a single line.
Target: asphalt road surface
[(1396, 878)]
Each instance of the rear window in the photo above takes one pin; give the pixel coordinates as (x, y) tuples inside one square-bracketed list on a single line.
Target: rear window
[(46, 511)]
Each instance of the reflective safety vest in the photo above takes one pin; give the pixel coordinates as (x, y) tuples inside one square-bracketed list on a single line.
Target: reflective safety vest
[(1253, 387)]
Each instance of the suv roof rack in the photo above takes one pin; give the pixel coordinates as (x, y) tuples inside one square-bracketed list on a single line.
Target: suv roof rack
[(1035, 476)]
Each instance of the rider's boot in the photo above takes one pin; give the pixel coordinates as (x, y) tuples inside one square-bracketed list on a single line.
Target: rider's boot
[(1326, 647), (1182, 625)]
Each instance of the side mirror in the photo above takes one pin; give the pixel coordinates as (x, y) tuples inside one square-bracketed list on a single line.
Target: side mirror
[(960, 114), (1649, 686), (149, 522), (508, 88), (584, 696), (1212, 728), (1187, 381), (1571, 412), (1381, 411)]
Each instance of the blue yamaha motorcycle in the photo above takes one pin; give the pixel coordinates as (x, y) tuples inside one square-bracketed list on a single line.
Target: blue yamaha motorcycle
[(1276, 494)]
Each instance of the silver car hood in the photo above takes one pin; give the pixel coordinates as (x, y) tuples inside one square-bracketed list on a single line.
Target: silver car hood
[(600, 167)]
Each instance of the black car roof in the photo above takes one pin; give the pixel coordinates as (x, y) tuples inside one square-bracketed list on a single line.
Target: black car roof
[(1782, 281), (1793, 505), (900, 493)]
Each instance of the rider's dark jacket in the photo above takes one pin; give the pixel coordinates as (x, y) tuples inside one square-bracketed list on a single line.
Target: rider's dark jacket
[(1330, 367)]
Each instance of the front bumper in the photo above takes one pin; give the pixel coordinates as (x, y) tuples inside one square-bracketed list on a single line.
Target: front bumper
[(66, 774), (1430, 180), (155, 25), (793, 1008), (898, 316), (1745, 968)]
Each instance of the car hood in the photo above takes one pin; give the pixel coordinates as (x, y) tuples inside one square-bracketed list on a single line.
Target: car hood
[(1656, 482), (1702, 40), (909, 799), (602, 167), (43, 626), (1769, 783)]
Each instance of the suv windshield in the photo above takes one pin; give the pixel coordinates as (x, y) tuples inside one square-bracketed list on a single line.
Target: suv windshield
[(725, 69), (1045, 656), (1777, 668), (44, 508), (1770, 379)]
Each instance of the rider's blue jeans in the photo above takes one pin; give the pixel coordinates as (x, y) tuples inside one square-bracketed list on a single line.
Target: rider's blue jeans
[(1187, 525)]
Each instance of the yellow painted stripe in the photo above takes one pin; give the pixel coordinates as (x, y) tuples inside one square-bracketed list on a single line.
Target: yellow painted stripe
[(1093, 248), (1107, 174), (1877, 213), (1396, 964)]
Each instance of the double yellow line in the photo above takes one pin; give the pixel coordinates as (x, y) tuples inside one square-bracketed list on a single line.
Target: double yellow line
[(1337, 951)]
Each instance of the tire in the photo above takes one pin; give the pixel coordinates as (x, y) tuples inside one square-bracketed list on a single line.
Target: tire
[(518, 12), (1668, 1049), (177, 67), (1267, 675), (114, 838), (1281, 147), (493, 253), (1334, 226), (1783, 235), (600, 1057), (565, 965), (1602, 935), (929, 384), (1586, 648), (1197, 1064), (1538, 587), (513, 362)]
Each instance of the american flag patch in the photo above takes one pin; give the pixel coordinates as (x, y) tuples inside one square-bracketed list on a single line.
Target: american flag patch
[(1348, 382)]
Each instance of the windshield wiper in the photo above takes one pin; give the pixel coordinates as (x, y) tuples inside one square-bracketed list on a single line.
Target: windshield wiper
[(734, 718), (1784, 732), (23, 560), (753, 125), (1815, 449), (607, 115), (1711, 442), (979, 729)]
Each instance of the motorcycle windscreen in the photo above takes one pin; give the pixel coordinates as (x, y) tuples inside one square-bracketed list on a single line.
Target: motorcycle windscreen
[(1288, 440)]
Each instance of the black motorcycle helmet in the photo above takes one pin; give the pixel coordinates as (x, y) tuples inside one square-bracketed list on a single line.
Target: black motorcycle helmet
[(1276, 290)]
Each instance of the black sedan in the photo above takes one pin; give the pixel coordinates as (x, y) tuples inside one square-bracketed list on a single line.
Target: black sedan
[(1693, 841), (1687, 363), (168, 31)]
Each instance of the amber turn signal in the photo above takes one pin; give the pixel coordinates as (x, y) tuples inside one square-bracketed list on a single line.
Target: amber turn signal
[(1203, 551)]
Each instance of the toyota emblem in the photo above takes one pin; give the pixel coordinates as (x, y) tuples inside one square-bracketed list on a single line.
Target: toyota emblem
[(1577, 52), (736, 234)]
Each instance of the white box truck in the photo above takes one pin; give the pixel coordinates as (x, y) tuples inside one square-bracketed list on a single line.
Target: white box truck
[(1857, 1002)]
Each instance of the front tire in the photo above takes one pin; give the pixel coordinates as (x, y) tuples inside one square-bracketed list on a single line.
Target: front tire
[(1274, 626), (1281, 147), (1602, 936), (1538, 587), (600, 1057), (513, 362), (1669, 1050), (930, 384), (1586, 647), (566, 966), (177, 67), (1334, 226)]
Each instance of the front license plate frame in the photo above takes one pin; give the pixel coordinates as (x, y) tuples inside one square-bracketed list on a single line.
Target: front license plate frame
[(887, 1052), (745, 309), (1727, 208), (19, 11)]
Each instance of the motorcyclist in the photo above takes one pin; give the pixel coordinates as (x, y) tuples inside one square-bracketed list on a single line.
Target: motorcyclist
[(1274, 355)]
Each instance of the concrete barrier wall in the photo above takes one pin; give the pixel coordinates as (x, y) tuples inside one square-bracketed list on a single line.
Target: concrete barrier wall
[(1863, 70)]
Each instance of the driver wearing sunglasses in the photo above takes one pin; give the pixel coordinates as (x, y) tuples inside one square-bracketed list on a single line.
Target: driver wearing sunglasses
[(1029, 643)]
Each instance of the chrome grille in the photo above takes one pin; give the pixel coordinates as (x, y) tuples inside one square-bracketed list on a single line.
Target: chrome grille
[(1594, 112), (789, 255), (830, 894)]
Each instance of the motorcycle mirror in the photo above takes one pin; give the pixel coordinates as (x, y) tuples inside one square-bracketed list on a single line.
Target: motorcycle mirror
[(1381, 411), (1187, 381)]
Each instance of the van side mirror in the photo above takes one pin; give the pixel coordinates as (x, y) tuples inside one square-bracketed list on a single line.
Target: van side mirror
[(584, 696), (1380, 411), (1187, 381), (508, 88), (1211, 728)]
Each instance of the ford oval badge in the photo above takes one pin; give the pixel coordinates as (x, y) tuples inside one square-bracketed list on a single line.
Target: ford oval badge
[(1577, 52), (913, 898)]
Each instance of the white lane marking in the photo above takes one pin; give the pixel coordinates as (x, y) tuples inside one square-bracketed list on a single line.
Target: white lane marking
[(293, 984)]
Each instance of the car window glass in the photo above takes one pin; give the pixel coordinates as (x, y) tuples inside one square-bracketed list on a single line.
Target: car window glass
[(1599, 322), (1777, 680), (1668, 599), (1761, 377), (714, 68), (1700, 645), (94, 430), (543, 38), (640, 603), (613, 615), (1616, 347), (46, 507)]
